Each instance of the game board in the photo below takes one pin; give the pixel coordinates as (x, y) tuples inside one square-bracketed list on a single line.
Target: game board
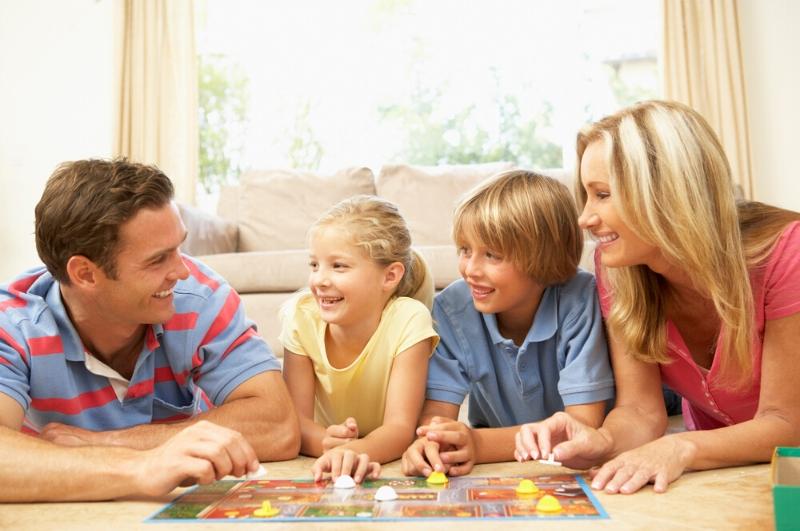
[(305, 500)]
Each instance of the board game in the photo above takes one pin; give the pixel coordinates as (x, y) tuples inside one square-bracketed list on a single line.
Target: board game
[(462, 497)]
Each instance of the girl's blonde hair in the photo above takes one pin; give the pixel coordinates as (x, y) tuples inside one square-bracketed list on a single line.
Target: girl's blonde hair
[(671, 184), (376, 226), (529, 219)]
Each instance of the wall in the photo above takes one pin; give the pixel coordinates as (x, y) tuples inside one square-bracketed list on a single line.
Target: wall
[(770, 43), (56, 102)]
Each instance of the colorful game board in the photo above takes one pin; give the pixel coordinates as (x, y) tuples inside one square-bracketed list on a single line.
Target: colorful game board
[(305, 500)]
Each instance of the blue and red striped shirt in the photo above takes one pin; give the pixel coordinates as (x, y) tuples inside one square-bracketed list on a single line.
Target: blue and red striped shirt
[(187, 365)]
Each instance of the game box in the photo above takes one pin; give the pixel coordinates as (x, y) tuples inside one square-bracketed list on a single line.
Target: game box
[(786, 487)]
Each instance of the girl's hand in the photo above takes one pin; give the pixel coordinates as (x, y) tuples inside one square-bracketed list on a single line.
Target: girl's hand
[(659, 462), (341, 461), (422, 458), (339, 434), (570, 441)]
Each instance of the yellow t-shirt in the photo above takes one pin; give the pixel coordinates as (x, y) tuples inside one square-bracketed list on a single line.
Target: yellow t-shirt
[(357, 391)]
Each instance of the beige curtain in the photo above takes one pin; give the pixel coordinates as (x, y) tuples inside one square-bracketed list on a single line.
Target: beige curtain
[(703, 69), (158, 89)]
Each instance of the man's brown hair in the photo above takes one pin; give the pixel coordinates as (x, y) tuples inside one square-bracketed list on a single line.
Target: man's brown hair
[(84, 204)]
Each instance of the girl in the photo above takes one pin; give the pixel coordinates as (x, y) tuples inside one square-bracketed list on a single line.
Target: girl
[(357, 343), (698, 291)]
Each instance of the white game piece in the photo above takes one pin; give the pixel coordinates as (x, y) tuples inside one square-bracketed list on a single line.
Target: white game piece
[(258, 474), (344, 482), (385, 493), (550, 460)]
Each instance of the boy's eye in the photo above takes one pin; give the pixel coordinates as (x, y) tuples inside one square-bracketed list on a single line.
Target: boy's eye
[(463, 251), (492, 255)]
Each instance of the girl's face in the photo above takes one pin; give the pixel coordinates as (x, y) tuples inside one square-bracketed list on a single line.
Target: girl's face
[(619, 246), (497, 285), (349, 287)]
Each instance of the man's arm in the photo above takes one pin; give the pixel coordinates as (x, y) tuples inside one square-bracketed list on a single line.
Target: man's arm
[(37, 470), (259, 408)]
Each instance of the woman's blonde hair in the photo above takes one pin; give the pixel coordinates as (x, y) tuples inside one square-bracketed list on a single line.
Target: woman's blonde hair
[(671, 184), (529, 219), (376, 226)]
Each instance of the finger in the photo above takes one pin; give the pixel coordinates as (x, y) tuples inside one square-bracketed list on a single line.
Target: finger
[(450, 437), (455, 457), (374, 470), (338, 430), (336, 464), (540, 443), (527, 440), (361, 467), (415, 457), (639, 479), (604, 474), (433, 460), (215, 454), (352, 427), (349, 459), (520, 453), (200, 471), (461, 469), (620, 477), (661, 482), (321, 465)]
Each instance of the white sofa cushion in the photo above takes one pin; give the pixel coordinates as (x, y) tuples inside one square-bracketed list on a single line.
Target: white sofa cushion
[(277, 207)]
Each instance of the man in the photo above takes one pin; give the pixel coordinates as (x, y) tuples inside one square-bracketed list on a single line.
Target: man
[(134, 364)]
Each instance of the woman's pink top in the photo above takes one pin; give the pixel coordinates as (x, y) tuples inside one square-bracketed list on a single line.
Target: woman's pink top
[(776, 294)]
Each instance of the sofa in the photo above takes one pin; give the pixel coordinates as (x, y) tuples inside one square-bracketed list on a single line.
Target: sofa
[(257, 240)]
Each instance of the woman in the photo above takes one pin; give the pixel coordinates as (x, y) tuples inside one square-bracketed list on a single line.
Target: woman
[(698, 292)]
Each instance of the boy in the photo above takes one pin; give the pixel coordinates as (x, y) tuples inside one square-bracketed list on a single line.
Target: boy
[(522, 332)]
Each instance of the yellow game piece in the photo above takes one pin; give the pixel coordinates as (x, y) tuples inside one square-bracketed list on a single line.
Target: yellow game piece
[(437, 478), (526, 486), (266, 510), (231, 514), (548, 504)]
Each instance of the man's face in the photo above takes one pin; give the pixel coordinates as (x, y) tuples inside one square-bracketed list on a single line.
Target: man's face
[(148, 265)]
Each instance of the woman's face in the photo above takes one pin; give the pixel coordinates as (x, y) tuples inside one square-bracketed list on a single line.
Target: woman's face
[(619, 246)]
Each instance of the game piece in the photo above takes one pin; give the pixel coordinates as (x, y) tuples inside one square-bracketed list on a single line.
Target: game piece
[(266, 510), (258, 474), (550, 460), (344, 482), (527, 486), (385, 493), (548, 504), (437, 478)]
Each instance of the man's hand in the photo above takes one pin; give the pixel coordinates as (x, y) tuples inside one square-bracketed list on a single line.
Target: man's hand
[(341, 461), (339, 434), (201, 453), (66, 435), (570, 441)]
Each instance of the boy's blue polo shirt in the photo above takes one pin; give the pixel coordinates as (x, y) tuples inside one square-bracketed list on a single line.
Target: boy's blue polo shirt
[(562, 362)]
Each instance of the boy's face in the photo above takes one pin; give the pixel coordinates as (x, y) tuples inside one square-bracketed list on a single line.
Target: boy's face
[(497, 285)]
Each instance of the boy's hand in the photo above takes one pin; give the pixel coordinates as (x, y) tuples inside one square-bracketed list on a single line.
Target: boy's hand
[(341, 461), (422, 458), (456, 444), (339, 434)]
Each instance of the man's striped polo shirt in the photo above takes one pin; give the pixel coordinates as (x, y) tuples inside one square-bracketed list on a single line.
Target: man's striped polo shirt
[(187, 364)]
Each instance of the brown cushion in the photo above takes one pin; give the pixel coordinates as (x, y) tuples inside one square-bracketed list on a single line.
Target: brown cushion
[(276, 208), (427, 195)]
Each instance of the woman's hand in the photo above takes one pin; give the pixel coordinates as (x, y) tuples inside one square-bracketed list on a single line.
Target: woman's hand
[(570, 441), (659, 462)]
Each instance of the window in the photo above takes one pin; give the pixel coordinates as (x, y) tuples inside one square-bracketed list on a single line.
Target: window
[(323, 85)]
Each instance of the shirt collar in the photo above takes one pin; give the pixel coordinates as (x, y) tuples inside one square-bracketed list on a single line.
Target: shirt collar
[(73, 346), (545, 323)]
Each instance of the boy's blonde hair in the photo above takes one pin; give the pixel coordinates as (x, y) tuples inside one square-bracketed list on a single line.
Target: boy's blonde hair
[(671, 184), (529, 219), (376, 226)]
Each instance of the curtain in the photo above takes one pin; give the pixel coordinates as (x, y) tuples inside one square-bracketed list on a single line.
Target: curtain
[(703, 69), (157, 90)]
